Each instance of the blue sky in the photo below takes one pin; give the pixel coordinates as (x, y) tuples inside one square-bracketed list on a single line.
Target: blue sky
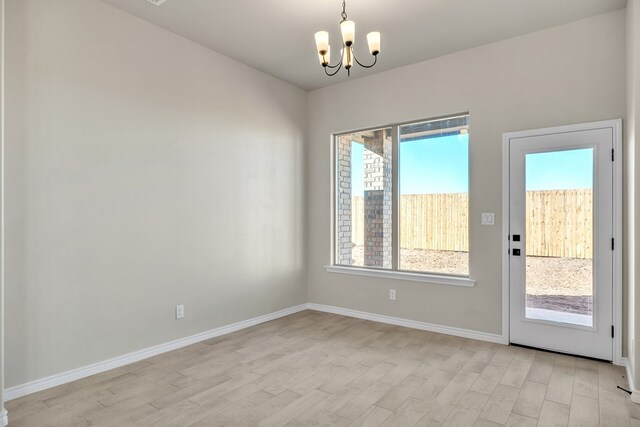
[(560, 170), (428, 166), (440, 165)]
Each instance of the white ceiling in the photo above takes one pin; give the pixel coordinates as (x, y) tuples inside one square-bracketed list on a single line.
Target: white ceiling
[(276, 36)]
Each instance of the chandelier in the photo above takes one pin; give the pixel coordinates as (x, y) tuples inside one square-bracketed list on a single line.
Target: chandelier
[(347, 55)]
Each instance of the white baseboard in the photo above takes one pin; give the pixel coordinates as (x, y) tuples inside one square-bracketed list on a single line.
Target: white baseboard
[(447, 330), (96, 368), (4, 418)]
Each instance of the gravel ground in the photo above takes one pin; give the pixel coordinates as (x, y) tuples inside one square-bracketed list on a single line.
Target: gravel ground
[(561, 284)]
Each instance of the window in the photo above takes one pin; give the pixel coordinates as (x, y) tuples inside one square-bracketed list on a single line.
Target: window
[(402, 197)]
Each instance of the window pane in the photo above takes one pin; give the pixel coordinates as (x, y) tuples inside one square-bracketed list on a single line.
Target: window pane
[(434, 196), (364, 199), (559, 237)]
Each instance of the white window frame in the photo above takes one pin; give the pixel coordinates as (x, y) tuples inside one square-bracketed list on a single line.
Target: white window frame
[(394, 272)]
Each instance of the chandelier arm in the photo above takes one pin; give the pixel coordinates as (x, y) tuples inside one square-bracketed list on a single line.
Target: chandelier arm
[(375, 61), (339, 67)]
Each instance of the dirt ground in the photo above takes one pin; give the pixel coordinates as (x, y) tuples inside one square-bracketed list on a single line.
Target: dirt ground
[(561, 284)]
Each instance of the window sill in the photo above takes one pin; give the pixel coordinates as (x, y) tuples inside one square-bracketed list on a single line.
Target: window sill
[(403, 275)]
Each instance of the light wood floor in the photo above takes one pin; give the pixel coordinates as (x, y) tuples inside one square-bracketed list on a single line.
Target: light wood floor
[(320, 369)]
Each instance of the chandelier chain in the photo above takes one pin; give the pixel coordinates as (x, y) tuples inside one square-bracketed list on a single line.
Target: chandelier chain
[(344, 11)]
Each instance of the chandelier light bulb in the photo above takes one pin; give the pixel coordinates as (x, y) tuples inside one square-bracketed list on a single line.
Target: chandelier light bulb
[(347, 57), (322, 41), (373, 39), (348, 29)]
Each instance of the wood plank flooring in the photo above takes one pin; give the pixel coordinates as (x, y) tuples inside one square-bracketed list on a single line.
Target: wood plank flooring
[(318, 369)]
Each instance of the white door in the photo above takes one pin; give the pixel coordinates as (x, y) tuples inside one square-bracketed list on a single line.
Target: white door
[(561, 241)]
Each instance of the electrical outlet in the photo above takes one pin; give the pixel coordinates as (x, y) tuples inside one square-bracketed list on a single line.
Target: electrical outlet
[(392, 294), (179, 311)]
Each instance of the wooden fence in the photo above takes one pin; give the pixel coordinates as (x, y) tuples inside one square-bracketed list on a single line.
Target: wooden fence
[(559, 222)]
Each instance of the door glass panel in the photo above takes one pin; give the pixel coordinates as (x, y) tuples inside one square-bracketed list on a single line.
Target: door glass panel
[(559, 236)]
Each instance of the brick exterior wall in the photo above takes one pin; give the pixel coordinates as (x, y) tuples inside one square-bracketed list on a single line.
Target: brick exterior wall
[(343, 215), (377, 200)]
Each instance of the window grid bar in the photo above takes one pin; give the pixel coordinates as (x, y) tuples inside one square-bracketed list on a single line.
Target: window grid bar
[(395, 197), (334, 185)]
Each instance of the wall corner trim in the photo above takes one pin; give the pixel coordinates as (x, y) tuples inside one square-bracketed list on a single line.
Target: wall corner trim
[(96, 368), (4, 418), (635, 394), (414, 324)]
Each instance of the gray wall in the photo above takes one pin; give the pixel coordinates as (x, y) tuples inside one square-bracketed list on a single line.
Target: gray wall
[(569, 74), (143, 171)]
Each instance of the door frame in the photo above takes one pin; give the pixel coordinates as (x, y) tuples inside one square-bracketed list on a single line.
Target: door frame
[(616, 127)]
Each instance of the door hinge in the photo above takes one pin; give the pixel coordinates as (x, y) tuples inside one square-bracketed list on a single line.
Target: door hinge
[(612, 331), (613, 244), (613, 155)]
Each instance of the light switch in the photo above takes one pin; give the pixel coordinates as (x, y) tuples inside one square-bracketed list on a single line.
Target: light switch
[(488, 218)]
